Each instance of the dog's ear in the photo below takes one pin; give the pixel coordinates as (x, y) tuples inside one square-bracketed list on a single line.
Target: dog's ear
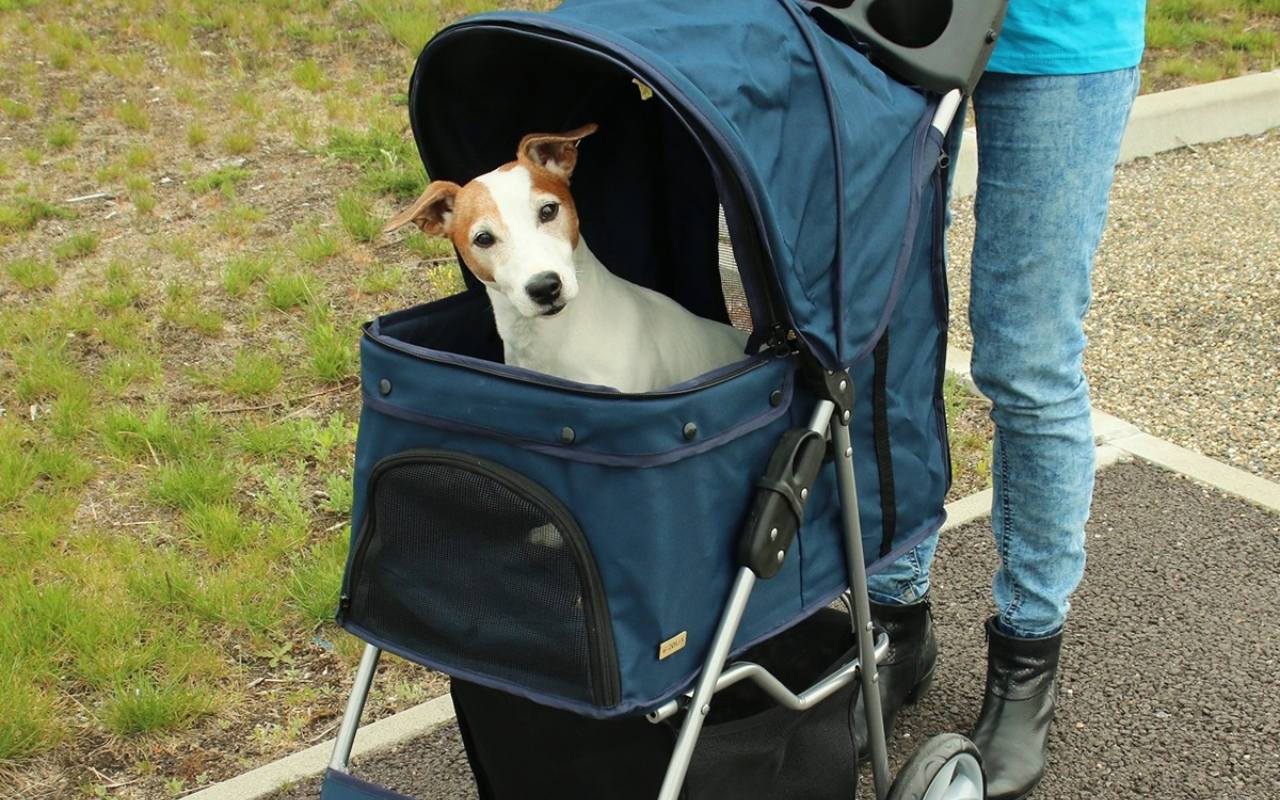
[(432, 211), (555, 152)]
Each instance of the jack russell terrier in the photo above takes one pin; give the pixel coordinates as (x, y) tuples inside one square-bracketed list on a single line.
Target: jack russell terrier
[(558, 309)]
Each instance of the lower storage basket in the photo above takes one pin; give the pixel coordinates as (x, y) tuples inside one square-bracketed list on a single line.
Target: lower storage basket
[(750, 748)]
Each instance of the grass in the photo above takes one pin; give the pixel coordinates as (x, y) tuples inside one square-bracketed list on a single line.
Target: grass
[(145, 706), (1196, 41), (22, 213), (359, 222), (77, 245), (31, 274), (288, 290), (224, 180), (242, 272), (252, 375)]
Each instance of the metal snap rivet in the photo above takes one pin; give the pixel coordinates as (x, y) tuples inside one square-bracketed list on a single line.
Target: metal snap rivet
[(844, 417), (567, 435), (775, 397), (384, 386), (804, 494), (848, 452), (781, 555), (690, 431), (773, 534), (843, 385)]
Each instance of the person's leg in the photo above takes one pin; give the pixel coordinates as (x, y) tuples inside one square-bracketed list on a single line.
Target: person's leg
[(1047, 147)]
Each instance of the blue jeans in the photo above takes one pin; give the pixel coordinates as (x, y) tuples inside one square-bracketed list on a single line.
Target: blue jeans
[(1047, 147)]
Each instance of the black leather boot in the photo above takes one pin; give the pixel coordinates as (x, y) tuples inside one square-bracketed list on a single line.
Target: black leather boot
[(1013, 726), (907, 670)]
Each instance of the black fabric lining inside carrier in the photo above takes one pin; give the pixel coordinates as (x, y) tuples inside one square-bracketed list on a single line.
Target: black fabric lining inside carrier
[(432, 516), (677, 183)]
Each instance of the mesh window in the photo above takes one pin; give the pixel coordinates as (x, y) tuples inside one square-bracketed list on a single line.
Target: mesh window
[(465, 564)]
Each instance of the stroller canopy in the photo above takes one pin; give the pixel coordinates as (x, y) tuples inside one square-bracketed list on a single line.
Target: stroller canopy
[(756, 106)]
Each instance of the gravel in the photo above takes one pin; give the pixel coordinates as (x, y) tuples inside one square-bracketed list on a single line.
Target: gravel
[(1185, 324), (1170, 681)]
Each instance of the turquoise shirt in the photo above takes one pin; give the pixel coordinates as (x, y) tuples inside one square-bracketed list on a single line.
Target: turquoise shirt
[(1070, 37)]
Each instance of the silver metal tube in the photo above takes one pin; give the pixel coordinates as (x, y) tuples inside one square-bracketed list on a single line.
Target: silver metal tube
[(341, 759), (821, 416), (861, 607), (678, 767), (946, 112), (746, 670)]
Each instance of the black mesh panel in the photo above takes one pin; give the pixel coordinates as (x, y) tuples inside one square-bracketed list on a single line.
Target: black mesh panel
[(469, 568)]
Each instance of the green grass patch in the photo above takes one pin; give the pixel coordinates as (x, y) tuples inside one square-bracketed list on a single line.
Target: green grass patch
[(218, 528), (24, 213), (239, 142), (288, 290), (333, 350), (1196, 41), (381, 280), (252, 374), (15, 110), (224, 180), (77, 245), (156, 433), (183, 309), (311, 76), (189, 484), (197, 135), (243, 272), (357, 218), (315, 580), (434, 248), (123, 371), (31, 274), (312, 244), (132, 116), (61, 135), (30, 719), (147, 706)]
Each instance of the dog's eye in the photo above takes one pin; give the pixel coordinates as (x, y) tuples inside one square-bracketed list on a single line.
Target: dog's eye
[(484, 239), (548, 212)]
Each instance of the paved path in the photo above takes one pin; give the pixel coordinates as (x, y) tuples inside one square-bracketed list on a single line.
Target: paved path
[(1171, 675), (1184, 328)]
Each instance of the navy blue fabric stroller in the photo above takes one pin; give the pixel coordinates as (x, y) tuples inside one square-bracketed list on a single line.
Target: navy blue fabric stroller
[(609, 554)]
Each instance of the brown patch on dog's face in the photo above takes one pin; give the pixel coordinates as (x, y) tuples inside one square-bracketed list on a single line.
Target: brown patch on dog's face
[(475, 207), (513, 224)]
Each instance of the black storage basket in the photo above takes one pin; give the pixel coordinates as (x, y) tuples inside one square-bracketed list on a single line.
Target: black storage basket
[(750, 747)]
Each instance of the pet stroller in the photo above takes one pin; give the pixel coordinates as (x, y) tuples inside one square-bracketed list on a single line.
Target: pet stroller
[(613, 555)]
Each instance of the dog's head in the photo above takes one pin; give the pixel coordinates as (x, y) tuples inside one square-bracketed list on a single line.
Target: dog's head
[(516, 227)]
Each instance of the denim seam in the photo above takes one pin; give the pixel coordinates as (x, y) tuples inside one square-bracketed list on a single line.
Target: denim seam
[(1006, 536)]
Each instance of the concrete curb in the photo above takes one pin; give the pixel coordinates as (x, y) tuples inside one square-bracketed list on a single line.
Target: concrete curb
[(1210, 112), (1115, 435), (384, 733)]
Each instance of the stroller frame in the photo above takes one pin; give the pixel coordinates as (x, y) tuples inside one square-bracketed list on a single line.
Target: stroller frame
[(948, 765), (830, 418)]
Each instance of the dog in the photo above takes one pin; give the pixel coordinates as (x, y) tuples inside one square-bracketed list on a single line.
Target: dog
[(558, 310)]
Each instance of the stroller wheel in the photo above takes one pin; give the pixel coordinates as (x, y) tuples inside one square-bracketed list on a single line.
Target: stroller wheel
[(947, 767)]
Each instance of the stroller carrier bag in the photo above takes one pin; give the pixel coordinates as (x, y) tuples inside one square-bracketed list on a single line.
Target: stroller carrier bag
[(574, 545), (750, 747)]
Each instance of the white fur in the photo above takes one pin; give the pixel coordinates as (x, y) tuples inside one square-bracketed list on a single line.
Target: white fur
[(611, 332)]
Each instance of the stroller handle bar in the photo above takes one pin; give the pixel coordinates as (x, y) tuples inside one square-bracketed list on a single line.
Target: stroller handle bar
[(939, 45)]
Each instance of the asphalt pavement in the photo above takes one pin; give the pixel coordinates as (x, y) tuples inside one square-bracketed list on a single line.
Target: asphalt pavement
[(1170, 681)]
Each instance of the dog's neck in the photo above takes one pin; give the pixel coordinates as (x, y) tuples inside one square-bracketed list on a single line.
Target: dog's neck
[(537, 342)]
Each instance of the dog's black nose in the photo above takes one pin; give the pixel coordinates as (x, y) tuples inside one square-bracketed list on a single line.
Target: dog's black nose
[(544, 288)]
